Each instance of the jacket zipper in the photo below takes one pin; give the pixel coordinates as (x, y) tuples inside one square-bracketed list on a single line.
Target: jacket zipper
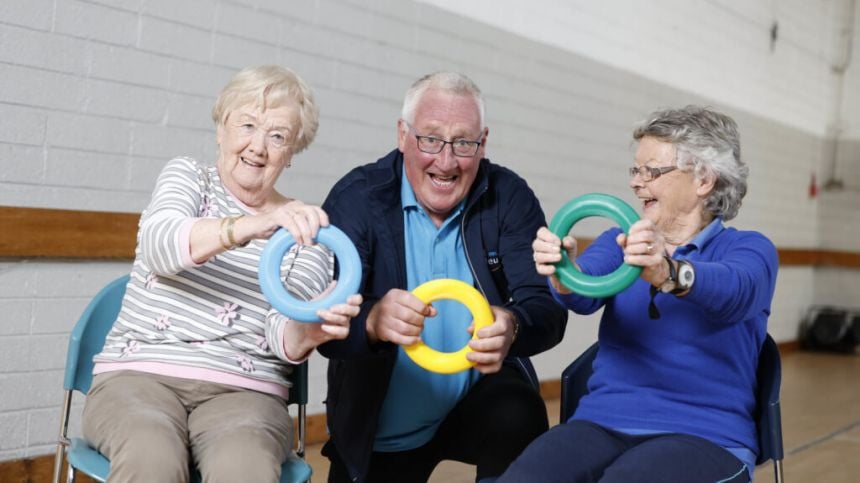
[(518, 360)]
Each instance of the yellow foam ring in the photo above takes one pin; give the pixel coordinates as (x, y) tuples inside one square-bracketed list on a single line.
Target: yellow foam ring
[(449, 289)]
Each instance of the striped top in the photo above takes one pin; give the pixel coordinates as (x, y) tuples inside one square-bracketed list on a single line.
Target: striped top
[(206, 321)]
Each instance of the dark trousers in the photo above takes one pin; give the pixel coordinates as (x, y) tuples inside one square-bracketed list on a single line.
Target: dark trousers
[(581, 451), (489, 428)]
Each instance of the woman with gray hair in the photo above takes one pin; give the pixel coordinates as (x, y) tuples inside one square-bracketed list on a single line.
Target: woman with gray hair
[(196, 369), (672, 394)]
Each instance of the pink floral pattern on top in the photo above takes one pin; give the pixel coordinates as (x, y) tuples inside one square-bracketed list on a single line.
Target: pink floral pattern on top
[(130, 348), (162, 322), (151, 280), (262, 343), (207, 207), (227, 314), (245, 363)]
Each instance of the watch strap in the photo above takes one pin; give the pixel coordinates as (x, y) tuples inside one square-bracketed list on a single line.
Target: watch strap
[(671, 283)]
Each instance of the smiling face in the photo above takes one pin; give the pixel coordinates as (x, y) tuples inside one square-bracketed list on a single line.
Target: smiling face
[(673, 201), (255, 147), (441, 181)]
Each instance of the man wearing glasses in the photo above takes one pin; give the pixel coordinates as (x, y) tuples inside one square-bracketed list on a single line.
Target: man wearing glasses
[(436, 208)]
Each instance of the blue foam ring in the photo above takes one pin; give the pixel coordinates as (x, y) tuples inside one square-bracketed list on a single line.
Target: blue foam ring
[(300, 310)]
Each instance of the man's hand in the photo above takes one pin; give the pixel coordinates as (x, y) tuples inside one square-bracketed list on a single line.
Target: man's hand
[(398, 317), (493, 342)]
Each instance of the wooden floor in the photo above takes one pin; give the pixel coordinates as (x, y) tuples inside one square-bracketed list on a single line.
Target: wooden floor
[(820, 416)]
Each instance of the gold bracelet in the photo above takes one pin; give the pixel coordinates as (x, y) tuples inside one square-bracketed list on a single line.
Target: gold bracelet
[(230, 221), (221, 234), (230, 224)]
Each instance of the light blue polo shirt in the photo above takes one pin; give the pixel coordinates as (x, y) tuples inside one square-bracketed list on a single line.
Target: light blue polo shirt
[(418, 400)]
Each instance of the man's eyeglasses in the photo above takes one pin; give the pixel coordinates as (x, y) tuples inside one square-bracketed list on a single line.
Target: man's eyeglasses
[(647, 173), (434, 145)]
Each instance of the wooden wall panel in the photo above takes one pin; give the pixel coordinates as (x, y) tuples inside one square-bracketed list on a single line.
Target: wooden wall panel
[(49, 233), (39, 232)]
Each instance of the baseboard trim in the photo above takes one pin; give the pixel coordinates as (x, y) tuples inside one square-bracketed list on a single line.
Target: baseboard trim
[(39, 469)]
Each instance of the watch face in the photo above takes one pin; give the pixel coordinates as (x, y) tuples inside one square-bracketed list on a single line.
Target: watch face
[(686, 275)]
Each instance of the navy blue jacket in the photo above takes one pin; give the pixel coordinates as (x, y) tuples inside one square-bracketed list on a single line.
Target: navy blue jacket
[(499, 223)]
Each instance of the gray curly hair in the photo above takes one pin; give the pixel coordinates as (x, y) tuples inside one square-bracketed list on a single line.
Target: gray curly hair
[(707, 143)]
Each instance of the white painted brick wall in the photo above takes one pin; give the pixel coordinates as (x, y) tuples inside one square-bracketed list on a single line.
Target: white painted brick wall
[(719, 48), (851, 104), (847, 166), (96, 95)]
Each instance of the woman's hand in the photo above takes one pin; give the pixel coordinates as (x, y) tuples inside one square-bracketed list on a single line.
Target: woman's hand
[(303, 221), (335, 319), (644, 246), (300, 337), (547, 252)]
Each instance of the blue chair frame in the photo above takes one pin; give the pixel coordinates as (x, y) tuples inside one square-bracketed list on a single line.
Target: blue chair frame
[(768, 417), (87, 339)]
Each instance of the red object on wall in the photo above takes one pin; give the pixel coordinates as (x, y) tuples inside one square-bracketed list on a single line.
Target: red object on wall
[(813, 186)]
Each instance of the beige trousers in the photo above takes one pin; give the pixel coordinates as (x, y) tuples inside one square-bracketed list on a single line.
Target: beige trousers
[(146, 425)]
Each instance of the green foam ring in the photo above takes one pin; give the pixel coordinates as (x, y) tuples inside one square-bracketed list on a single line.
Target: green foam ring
[(594, 204)]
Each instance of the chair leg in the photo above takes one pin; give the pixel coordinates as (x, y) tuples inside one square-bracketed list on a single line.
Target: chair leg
[(777, 471), (63, 439), (71, 475), (303, 417), (58, 462)]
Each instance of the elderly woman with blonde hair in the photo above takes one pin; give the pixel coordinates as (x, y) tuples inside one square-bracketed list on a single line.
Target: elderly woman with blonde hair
[(196, 369)]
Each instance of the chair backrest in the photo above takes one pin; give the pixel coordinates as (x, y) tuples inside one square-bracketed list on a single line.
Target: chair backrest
[(88, 336), (574, 381), (768, 414), (574, 385)]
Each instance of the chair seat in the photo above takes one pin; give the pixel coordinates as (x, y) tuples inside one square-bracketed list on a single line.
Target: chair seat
[(295, 469), (84, 458), (86, 340)]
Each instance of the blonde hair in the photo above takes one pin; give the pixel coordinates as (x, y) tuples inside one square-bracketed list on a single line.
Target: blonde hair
[(270, 86)]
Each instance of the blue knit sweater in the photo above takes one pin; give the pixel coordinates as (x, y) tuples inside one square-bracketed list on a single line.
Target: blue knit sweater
[(693, 370)]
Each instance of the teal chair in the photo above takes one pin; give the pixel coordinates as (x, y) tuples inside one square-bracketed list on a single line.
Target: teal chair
[(768, 417), (86, 340)]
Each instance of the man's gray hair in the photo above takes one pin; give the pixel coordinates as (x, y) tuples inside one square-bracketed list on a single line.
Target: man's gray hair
[(707, 143), (452, 82)]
